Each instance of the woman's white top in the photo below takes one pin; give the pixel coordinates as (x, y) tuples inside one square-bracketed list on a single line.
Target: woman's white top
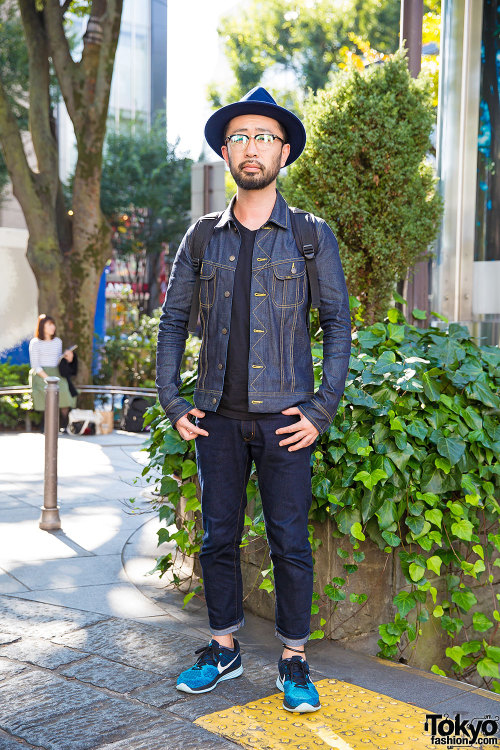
[(45, 353)]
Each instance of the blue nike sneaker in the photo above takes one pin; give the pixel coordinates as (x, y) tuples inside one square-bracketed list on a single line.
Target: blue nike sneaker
[(216, 663), (293, 679)]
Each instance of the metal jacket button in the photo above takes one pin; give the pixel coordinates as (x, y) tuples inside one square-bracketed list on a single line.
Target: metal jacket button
[(214, 401), (231, 257), (226, 294), (224, 330), (220, 366)]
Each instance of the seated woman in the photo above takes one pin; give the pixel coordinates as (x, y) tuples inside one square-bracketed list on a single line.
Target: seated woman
[(45, 351)]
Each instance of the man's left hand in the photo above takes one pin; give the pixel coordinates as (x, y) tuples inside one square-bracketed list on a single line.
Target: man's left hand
[(304, 432)]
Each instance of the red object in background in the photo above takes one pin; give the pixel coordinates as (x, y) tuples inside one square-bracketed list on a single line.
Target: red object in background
[(163, 279)]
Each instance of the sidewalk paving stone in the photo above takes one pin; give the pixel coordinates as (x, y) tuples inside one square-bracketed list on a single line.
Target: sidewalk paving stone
[(90, 645), (108, 673), (41, 653)]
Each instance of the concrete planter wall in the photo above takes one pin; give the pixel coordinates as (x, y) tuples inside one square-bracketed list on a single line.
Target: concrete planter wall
[(355, 626)]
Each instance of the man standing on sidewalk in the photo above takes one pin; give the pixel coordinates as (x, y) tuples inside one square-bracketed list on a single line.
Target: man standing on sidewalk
[(255, 389)]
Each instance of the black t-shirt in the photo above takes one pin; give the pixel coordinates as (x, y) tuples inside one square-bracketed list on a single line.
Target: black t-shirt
[(234, 400)]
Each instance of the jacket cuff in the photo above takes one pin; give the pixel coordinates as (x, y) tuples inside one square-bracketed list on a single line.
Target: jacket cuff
[(176, 409), (316, 414)]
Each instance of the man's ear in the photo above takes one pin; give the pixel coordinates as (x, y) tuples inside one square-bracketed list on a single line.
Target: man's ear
[(285, 153), (225, 155)]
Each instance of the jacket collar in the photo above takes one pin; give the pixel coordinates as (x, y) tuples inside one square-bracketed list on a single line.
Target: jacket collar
[(279, 214)]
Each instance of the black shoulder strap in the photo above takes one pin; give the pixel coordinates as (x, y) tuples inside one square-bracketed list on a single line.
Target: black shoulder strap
[(201, 236), (306, 237)]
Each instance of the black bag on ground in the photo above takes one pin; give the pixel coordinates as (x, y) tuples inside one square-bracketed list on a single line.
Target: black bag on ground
[(134, 408)]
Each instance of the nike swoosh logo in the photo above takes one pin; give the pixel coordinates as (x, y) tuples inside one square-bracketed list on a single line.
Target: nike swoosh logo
[(221, 668)]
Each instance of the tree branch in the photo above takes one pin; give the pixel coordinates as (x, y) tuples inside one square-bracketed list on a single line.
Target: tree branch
[(110, 19), (43, 139), (22, 177), (67, 71)]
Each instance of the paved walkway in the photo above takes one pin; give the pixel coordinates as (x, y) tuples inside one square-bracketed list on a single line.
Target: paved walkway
[(90, 645)]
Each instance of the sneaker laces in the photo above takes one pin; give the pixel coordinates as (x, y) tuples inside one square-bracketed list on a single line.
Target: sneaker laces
[(209, 655), (299, 672)]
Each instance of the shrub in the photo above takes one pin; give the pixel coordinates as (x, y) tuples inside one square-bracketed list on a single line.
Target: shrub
[(13, 409), (128, 354), (364, 171), (410, 461)]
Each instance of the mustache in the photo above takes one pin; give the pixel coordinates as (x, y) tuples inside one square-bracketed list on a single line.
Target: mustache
[(250, 162)]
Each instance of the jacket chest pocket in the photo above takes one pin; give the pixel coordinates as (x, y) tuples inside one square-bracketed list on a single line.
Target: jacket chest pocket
[(289, 282), (208, 282)]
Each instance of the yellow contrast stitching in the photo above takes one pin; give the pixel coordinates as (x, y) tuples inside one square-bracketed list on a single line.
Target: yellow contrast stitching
[(314, 401), (251, 385), (292, 335)]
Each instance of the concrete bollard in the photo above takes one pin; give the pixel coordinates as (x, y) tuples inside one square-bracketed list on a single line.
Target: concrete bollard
[(50, 520)]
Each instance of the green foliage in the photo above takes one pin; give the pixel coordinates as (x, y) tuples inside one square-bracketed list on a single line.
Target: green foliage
[(143, 175), (411, 463), (13, 409), (127, 356), (306, 39), (364, 171)]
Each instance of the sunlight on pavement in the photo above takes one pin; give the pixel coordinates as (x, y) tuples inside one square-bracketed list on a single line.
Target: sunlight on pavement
[(351, 718)]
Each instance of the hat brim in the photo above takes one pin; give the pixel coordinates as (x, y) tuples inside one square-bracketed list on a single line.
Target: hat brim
[(216, 124)]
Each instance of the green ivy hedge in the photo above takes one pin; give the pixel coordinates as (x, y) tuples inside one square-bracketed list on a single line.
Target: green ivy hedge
[(13, 409), (410, 462)]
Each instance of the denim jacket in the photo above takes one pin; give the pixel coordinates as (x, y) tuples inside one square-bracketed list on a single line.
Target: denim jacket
[(280, 371)]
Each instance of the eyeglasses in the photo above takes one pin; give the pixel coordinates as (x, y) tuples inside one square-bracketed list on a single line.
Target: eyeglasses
[(263, 140)]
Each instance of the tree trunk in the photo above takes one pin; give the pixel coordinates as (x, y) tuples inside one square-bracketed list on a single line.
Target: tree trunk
[(67, 253)]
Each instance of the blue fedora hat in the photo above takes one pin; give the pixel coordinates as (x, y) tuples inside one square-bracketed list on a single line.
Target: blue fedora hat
[(258, 101)]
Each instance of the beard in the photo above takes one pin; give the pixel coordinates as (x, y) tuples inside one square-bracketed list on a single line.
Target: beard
[(255, 180)]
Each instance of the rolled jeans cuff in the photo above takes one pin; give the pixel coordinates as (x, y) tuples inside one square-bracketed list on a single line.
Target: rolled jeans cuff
[(230, 629), (292, 642)]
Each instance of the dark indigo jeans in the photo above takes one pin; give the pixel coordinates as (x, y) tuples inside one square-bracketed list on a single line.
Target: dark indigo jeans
[(224, 461)]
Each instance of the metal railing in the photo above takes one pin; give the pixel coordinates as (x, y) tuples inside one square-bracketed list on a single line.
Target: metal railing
[(112, 390), (50, 519)]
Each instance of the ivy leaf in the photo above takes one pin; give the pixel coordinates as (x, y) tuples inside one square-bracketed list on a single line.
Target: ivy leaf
[(487, 667), (188, 469), (480, 622), (404, 601), (456, 653), (417, 428), (419, 314), (416, 524), (493, 652), (416, 572), (482, 392), (435, 667), (357, 531), (464, 599), (434, 563), (392, 539), (316, 635), (168, 485), (451, 448), (463, 529), (336, 452), (442, 463), (370, 479), (355, 442), (396, 333), (435, 516), (431, 387), (267, 585)]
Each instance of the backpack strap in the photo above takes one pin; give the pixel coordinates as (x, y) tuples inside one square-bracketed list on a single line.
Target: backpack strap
[(201, 236), (306, 237)]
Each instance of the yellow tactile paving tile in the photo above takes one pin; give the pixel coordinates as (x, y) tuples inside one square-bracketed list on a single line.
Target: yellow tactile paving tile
[(350, 718)]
